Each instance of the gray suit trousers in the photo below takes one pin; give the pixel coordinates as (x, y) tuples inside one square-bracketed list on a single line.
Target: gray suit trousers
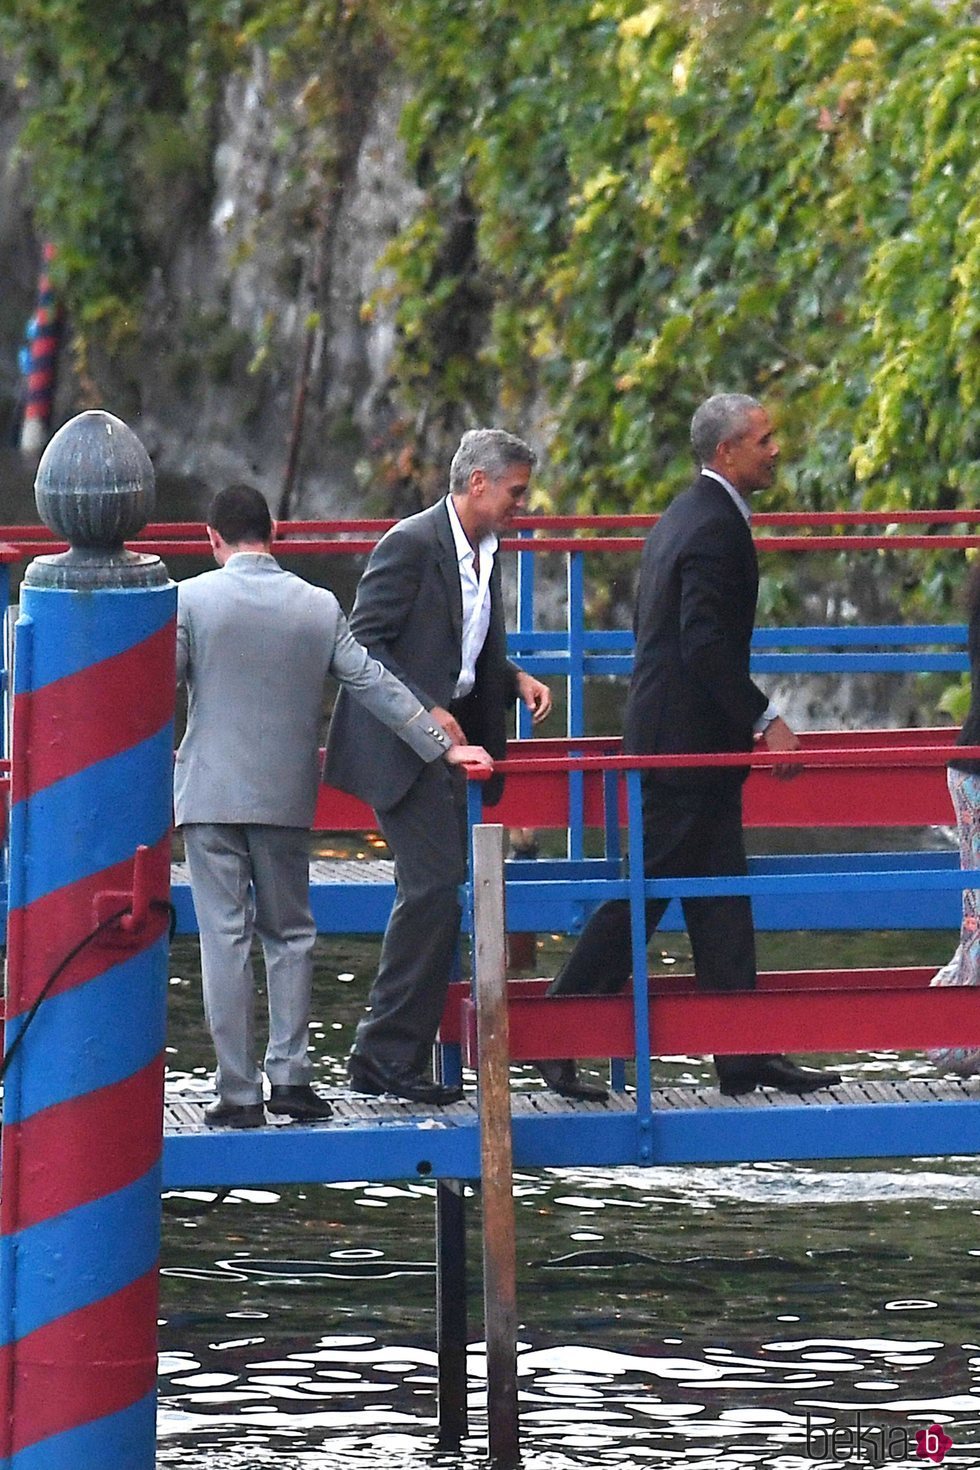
[(254, 880), (427, 833)]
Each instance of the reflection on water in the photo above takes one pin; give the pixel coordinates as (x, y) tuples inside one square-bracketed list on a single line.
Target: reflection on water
[(729, 1318), (670, 1316), (354, 1400)]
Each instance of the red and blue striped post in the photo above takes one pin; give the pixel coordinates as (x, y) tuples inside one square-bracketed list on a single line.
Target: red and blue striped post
[(80, 1173), (42, 372)]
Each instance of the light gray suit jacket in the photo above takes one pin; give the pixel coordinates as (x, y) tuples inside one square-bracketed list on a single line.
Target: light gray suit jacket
[(254, 646)]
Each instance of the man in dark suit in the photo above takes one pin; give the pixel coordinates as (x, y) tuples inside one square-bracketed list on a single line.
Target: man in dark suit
[(428, 607), (691, 692)]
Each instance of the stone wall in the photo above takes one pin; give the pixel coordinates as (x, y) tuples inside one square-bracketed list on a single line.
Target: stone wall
[(211, 386)]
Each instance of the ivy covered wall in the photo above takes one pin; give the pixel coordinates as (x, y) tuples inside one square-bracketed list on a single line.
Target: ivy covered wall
[(670, 199)]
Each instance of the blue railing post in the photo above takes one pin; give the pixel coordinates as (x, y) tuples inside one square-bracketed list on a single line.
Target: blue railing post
[(4, 734), (638, 935), (4, 671), (525, 620), (80, 1169), (576, 698)]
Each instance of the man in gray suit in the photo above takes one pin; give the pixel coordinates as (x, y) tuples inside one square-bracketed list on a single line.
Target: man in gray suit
[(254, 646), (429, 608)]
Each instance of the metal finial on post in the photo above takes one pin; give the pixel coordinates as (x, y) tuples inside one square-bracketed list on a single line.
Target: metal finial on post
[(95, 486), (80, 1153)]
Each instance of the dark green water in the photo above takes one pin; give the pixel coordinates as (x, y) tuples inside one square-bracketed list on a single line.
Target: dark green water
[(671, 1316)]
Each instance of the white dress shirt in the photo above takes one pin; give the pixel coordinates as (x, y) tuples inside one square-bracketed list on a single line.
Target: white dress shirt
[(474, 582)]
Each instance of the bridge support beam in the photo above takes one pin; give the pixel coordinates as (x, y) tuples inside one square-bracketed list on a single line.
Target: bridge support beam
[(451, 1311)]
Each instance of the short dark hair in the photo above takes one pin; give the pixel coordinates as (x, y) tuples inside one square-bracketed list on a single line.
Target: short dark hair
[(492, 450), (721, 417), (239, 514)]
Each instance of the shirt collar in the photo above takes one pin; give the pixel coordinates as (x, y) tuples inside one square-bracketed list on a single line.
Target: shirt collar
[(740, 503), (488, 543)]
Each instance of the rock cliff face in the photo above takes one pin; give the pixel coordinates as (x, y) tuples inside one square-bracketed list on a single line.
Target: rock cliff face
[(256, 359)]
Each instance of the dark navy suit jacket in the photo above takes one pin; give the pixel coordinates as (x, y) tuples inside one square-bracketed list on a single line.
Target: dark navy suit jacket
[(699, 584)]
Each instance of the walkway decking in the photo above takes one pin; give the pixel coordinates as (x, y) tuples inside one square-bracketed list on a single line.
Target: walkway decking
[(388, 1139)]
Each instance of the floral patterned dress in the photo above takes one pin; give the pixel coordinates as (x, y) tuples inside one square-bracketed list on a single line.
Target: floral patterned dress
[(964, 967)]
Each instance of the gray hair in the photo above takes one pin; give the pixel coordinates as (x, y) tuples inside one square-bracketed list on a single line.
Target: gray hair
[(723, 416), (492, 450)]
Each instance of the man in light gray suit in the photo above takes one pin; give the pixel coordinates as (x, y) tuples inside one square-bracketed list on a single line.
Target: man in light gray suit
[(254, 646), (429, 607)]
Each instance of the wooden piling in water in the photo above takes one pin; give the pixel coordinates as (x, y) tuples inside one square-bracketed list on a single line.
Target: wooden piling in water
[(451, 1313), (496, 1151)]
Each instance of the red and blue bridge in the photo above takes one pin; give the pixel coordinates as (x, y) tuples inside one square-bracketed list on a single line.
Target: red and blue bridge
[(84, 911), (584, 787)]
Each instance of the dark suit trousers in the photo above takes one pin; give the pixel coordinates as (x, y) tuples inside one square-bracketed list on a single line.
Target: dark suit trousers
[(427, 834), (688, 832)]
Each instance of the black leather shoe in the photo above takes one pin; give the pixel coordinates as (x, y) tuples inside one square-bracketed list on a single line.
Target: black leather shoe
[(298, 1101), (374, 1077), (234, 1115), (779, 1072), (562, 1077)]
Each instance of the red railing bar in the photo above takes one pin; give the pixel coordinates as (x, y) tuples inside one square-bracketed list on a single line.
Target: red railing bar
[(353, 524), (612, 545), (847, 757), (764, 518), (319, 537), (905, 977), (809, 1020)]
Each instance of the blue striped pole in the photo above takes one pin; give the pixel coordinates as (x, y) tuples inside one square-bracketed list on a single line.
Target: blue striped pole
[(80, 1164)]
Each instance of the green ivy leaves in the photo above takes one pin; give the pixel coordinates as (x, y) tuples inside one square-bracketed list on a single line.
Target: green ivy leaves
[(780, 199)]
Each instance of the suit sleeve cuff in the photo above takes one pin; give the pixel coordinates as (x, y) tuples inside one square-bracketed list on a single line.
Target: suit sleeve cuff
[(425, 735)]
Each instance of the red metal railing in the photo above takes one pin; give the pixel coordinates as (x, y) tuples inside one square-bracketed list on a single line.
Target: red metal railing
[(357, 536), (866, 778), (795, 1011)]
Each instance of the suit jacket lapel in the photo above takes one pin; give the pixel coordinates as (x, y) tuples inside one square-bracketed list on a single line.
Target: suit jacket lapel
[(449, 568)]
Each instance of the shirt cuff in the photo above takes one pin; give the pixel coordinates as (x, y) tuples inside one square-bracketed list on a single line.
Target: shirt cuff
[(765, 719)]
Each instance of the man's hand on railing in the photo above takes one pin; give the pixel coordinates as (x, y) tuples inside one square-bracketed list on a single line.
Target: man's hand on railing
[(778, 737), (476, 762)]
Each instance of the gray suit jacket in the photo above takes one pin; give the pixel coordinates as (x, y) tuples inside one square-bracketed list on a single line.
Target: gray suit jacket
[(409, 614), (254, 646)]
